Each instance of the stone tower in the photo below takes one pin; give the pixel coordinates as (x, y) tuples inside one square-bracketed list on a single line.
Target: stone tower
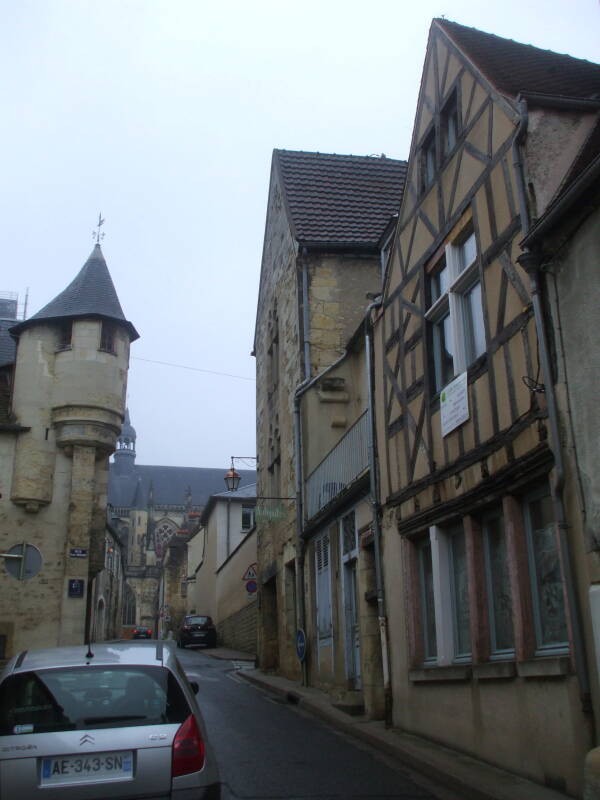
[(68, 404)]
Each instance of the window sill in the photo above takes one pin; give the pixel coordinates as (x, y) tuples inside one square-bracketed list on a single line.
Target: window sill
[(549, 667), (106, 350), (494, 670), (440, 674)]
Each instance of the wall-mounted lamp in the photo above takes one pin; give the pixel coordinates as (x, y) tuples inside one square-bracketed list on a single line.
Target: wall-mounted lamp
[(233, 478)]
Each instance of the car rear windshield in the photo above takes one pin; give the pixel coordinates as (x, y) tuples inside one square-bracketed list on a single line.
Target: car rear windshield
[(198, 621), (83, 698)]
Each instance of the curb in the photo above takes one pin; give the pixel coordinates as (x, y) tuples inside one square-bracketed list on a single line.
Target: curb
[(470, 778)]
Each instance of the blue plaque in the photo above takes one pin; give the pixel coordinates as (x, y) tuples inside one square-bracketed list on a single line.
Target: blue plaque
[(76, 587)]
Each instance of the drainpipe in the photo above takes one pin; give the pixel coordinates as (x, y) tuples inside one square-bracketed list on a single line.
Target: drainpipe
[(228, 539), (374, 497), (531, 262)]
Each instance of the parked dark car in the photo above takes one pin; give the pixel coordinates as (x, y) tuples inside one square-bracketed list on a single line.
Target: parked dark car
[(196, 630), (141, 632)]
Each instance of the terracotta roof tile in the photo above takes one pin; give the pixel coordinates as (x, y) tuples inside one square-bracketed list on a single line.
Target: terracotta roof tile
[(340, 199), (513, 67)]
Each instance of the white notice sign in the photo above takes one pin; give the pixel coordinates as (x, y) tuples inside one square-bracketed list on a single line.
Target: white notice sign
[(454, 404)]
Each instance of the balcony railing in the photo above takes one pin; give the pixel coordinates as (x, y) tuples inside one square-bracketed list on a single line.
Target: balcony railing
[(340, 467)]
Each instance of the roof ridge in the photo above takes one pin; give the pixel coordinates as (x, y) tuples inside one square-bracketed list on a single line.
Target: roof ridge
[(372, 157), (444, 22)]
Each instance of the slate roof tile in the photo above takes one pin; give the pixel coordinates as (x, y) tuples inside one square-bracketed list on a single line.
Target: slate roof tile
[(340, 199), (169, 484), (91, 293), (513, 67)]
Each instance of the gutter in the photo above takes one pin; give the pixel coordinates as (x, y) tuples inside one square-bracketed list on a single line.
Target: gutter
[(375, 510), (531, 262)]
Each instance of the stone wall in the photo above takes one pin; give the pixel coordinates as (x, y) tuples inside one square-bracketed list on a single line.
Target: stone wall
[(238, 631)]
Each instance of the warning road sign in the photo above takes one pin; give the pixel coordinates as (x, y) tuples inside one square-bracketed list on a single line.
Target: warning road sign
[(251, 573)]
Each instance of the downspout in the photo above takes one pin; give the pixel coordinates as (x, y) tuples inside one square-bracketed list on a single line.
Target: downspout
[(530, 261), (374, 497), (228, 538)]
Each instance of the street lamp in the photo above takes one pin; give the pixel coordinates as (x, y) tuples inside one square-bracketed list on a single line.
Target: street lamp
[(233, 478)]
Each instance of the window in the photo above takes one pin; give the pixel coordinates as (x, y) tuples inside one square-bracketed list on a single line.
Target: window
[(460, 594), (427, 602), (544, 569), (247, 517), (107, 337), (323, 586), (468, 563), (497, 578), (65, 331), (449, 125), (455, 312), (427, 161)]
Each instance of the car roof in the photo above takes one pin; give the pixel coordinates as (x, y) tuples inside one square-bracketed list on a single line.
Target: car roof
[(140, 653)]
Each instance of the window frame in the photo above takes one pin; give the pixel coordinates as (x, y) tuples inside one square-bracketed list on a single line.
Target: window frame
[(541, 649), (495, 653), (451, 105), (427, 159), (452, 301)]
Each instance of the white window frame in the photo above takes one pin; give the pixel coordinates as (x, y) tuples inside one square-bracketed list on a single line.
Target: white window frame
[(461, 279), (443, 600), (496, 653)]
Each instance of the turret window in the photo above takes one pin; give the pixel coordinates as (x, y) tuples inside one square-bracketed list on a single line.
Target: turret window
[(107, 338), (65, 332)]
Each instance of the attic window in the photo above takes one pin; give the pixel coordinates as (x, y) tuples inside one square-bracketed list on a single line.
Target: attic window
[(64, 331), (449, 125), (107, 337), (427, 161)]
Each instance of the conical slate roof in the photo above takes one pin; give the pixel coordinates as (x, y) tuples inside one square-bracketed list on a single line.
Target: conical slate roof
[(90, 294)]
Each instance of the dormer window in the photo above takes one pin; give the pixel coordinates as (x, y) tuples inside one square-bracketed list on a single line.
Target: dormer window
[(427, 161), (107, 337), (449, 125), (65, 333)]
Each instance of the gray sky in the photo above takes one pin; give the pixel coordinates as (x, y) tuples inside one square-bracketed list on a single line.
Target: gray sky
[(162, 114)]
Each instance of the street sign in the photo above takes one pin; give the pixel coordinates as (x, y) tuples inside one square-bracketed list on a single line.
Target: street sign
[(78, 552), (251, 587), (75, 588), (300, 644), (251, 573)]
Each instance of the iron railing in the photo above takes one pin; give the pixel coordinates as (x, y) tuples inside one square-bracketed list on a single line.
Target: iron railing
[(340, 467)]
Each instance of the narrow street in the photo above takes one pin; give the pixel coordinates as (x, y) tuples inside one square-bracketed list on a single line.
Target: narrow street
[(268, 749)]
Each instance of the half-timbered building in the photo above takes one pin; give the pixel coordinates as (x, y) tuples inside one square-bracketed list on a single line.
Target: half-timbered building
[(486, 631)]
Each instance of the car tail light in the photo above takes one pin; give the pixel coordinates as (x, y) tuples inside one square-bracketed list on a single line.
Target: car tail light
[(188, 749), (186, 628), (149, 631)]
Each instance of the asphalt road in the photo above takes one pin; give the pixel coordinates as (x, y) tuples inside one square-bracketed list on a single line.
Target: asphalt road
[(268, 749)]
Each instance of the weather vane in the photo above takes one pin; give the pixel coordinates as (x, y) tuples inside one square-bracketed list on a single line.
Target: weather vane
[(96, 233)]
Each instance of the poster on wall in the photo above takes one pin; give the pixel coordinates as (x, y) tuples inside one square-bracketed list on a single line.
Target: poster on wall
[(454, 404)]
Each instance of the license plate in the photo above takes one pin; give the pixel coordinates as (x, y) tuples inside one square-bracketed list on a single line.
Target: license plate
[(199, 635), (90, 768)]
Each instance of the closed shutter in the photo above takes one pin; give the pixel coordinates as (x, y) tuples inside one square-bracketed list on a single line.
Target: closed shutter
[(324, 625)]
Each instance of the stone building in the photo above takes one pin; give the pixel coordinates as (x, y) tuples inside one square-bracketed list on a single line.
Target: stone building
[(156, 510), (326, 216), (222, 567), (61, 409), (486, 572)]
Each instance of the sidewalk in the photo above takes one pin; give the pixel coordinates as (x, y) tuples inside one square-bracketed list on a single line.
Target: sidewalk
[(472, 779)]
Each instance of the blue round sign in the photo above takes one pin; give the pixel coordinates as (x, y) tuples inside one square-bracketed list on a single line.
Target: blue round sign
[(300, 644), (251, 587)]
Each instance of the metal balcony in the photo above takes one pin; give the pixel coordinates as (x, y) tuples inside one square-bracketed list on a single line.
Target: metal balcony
[(339, 469)]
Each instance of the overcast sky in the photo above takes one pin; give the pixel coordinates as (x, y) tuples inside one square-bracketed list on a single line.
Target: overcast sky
[(163, 114)]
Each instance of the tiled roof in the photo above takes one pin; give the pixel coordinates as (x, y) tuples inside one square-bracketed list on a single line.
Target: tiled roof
[(8, 347), (340, 200), (169, 484), (91, 293), (513, 67)]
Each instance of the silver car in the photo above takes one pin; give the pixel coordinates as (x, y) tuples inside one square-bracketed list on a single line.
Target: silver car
[(119, 720)]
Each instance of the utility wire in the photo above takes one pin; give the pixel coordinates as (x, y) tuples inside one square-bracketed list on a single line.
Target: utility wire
[(194, 369)]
